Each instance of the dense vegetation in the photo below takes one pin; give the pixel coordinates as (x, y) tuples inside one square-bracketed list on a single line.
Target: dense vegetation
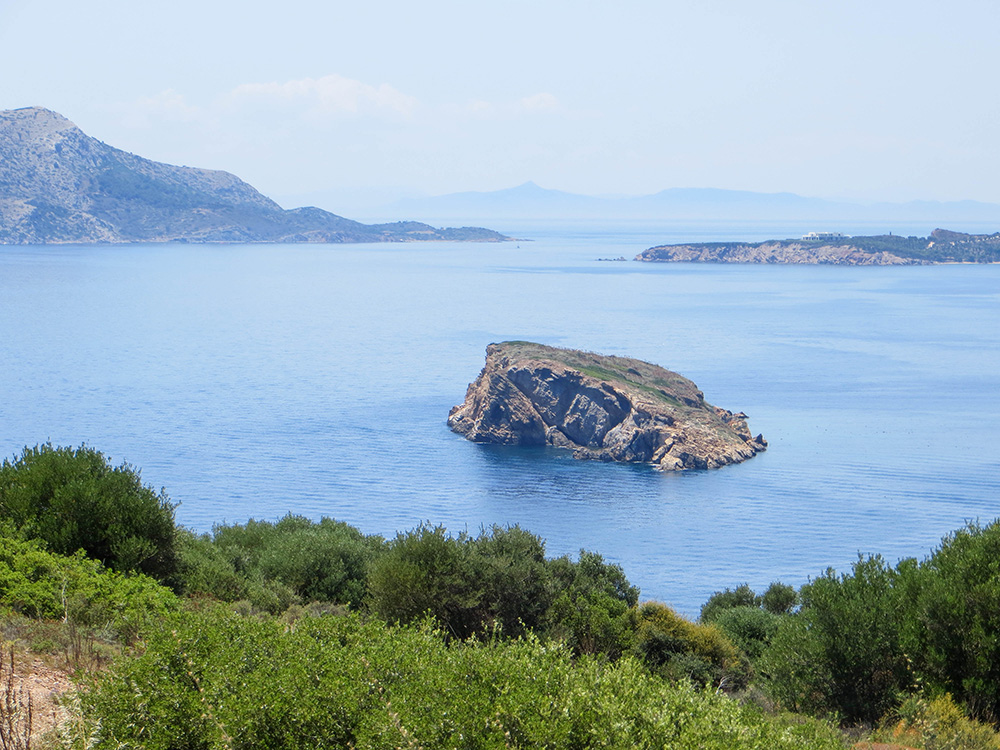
[(73, 499), (298, 633), (40, 584), (222, 680), (863, 641), (951, 247)]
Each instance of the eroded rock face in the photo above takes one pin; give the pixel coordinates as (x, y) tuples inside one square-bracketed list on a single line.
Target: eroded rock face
[(607, 408)]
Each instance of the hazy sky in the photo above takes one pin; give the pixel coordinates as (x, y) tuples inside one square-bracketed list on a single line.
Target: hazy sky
[(880, 99)]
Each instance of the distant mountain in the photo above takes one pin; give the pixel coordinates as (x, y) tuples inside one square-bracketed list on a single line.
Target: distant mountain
[(58, 185), (529, 201)]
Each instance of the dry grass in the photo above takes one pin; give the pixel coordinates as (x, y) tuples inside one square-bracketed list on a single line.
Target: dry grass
[(36, 689), (16, 707)]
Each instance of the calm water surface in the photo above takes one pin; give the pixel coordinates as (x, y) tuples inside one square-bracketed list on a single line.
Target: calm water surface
[(253, 381)]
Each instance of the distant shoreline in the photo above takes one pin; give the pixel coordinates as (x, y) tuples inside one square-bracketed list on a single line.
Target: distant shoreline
[(943, 246)]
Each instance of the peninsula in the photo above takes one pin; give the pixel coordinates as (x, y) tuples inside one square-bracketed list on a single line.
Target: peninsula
[(59, 185), (943, 246), (600, 407)]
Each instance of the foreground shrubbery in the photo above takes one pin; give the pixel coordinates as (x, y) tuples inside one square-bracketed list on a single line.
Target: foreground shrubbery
[(223, 680), (937, 724), (864, 641), (39, 584), (473, 587), (862, 647)]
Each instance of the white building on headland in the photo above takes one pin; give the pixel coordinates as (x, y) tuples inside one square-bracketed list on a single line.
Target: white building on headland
[(824, 236)]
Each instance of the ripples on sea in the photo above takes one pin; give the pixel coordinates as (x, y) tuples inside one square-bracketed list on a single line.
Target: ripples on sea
[(253, 381)]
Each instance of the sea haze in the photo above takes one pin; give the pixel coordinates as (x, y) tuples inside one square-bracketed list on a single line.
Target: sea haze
[(256, 380)]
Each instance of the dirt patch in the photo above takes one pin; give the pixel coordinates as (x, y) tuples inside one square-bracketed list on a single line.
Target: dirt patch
[(44, 684)]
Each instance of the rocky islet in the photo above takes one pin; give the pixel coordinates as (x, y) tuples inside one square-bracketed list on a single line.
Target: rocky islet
[(600, 407)]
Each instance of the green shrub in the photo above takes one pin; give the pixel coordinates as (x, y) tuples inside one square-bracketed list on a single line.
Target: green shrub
[(470, 585), (750, 629), (516, 578), (841, 654), (592, 607), (794, 670), (39, 584), (426, 570), (205, 569), (720, 601), (226, 681), (74, 499), (678, 648), (274, 564), (779, 599), (953, 618), (325, 561)]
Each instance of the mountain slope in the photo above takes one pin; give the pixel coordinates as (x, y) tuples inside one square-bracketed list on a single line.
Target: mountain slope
[(59, 185)]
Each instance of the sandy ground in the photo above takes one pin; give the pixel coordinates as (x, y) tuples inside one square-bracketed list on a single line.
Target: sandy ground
[(45, 685)]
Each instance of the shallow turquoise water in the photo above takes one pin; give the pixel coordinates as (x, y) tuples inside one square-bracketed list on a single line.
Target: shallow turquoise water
[(252, 381)]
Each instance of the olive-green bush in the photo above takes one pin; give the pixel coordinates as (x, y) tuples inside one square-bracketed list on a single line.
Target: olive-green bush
[(216, 680), (275, 564), (73, 499), (39, 584), (678, 648), (502, 579), (951, 624), (841, 654)]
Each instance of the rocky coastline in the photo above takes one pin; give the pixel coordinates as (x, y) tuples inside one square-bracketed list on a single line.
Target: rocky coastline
[(942, 246)]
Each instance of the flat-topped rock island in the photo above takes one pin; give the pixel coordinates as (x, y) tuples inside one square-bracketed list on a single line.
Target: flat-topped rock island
[(600, 407)]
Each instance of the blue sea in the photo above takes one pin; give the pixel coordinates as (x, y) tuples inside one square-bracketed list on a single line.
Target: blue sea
[(253, 381)]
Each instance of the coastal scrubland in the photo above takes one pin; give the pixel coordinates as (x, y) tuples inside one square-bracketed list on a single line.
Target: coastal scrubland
[(297, 633)]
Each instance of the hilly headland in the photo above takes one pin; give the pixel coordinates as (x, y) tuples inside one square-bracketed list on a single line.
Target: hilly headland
[(831, 248), (600, 407), (59, 185)]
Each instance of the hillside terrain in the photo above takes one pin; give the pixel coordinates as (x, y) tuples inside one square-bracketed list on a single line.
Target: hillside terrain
[(943, 246), (600, 407), (59, 185)]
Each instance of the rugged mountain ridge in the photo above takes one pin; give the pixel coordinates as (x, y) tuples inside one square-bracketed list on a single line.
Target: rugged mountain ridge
[(943, 246), (59, 185), (600, 407)]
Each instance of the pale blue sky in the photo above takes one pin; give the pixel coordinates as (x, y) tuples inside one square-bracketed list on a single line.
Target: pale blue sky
[(880, 100)]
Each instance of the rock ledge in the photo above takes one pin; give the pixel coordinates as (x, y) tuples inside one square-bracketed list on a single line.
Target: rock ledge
[(600, 407)]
